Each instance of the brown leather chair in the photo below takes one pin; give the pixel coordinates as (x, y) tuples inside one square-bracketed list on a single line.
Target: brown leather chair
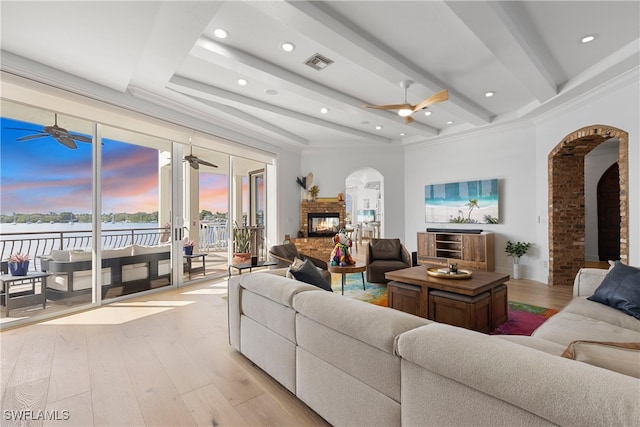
[(285, 253), (385, 255)]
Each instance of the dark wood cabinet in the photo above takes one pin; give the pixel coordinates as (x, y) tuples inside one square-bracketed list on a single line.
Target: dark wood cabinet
[(474, 251)]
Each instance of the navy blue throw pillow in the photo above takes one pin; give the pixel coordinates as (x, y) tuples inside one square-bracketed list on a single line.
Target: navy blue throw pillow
[(309, 273), (620, 289)]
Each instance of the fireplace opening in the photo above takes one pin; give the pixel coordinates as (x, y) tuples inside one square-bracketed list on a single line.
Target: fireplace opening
[(323, 224)]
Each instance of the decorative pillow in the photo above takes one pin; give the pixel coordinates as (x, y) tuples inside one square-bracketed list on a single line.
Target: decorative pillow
[(615, 356), (295, 266), (620, 289), (308, 273)]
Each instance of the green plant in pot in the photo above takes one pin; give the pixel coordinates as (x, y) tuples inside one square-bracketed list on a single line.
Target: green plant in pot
[(241, 244), (515, 251)]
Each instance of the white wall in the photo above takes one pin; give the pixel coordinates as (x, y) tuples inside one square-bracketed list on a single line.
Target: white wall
[(517, 154), (506, 153), (331, 167), (615, 104)]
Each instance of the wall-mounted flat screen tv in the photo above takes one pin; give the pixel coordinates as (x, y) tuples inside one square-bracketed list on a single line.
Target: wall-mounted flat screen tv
[(469, 202), (366, 215)]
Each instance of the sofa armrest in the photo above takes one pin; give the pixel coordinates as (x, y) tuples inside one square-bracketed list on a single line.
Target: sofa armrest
[(562, 391), (587, 281)]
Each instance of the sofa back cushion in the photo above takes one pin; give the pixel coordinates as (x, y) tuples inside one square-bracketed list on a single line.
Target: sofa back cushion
[(141, 250), (385, 249)]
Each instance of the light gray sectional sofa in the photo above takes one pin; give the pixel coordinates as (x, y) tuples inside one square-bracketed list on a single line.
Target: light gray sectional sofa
[(359, 364)]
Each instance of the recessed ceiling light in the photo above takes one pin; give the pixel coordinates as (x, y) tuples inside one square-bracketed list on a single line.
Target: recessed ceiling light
[(587, 39), (402, 134), (489, 94), (242, 82), (378, 127), (427, 113), (271, 92), (220, 33), (287, 46), (450, 122), (324, 110)]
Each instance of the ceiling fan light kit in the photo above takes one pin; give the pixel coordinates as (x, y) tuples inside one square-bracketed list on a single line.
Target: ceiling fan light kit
[(405, 110)]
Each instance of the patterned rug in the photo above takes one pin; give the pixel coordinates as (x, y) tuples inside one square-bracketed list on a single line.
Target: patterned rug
[(374, 293), (523, 319)]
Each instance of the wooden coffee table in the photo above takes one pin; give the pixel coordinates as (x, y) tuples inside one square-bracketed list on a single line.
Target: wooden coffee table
[(464, 302), (347, 269)]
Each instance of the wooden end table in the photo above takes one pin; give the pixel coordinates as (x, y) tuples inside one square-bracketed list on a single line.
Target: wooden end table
[(190, 269), (347, 269)]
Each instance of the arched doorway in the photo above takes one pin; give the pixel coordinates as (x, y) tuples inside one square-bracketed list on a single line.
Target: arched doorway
[(364, 190), (567, 199), (608, 193)]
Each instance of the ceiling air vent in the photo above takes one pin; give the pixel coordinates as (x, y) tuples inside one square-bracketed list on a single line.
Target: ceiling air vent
[(318, 62)]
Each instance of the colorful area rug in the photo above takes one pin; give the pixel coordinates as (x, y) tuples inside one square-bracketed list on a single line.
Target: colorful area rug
[(523, 319), (374, 293)]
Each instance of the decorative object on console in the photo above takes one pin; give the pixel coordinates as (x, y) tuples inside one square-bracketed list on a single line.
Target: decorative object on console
[(470, 202), (341, 255), (313, 192), (18, 264), (515, 251), (187, 246)]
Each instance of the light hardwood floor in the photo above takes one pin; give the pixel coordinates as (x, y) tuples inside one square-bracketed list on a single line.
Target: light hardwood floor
[(162, 359)]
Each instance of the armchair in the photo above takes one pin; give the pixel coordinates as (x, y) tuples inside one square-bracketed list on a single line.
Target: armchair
[(284, 254), (385, 255)]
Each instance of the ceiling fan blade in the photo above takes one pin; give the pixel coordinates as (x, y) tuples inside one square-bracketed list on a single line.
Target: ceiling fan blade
[(29, 137), (80, 138), (205, 163), (438, 97), (391, 107), (194, 164), (67, 142), (408, 120)]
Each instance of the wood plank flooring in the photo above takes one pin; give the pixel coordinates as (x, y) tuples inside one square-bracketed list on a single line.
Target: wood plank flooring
[(162, 359)]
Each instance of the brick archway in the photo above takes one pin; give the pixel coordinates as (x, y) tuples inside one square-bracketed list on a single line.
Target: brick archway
[(567, 202)]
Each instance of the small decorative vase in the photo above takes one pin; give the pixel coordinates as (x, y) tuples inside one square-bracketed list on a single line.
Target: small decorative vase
[(19, 268), (516, 271), (188, 250)]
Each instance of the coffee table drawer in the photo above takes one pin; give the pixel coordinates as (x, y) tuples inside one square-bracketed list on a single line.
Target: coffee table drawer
[(405, 297), (461, 310)]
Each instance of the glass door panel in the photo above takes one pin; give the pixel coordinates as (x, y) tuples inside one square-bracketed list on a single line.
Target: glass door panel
[(135, 221), (46, 199), (206, 213)]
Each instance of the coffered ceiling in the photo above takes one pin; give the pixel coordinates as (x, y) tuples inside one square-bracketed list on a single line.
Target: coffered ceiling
[(165, 53)]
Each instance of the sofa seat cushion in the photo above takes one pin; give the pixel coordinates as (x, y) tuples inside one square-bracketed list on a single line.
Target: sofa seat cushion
[(565, 327), (372, 324), (276, 288), (141, 250), (583, 307)]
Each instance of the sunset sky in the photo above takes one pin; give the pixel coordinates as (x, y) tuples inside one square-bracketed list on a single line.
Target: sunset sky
[(42, 176)]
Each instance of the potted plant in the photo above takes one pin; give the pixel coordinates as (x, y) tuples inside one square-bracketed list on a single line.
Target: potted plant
[(187, 245), (241, 244), (18, 264), (313, 192), (515, 251)]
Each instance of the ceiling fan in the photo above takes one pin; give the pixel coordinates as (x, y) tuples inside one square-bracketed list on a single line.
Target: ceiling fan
[(61, 135), (195, 162), (405, 110)]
